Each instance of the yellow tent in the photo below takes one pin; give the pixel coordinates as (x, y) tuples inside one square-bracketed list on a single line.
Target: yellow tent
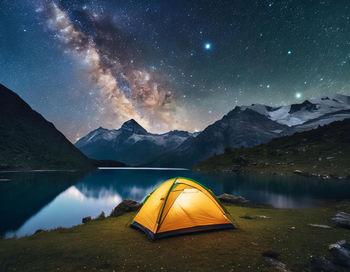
[(180, 205)]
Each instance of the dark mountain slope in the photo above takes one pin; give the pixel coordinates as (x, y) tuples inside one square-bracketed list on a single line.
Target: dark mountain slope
[(324, 151), (237, 128), (28, 141)]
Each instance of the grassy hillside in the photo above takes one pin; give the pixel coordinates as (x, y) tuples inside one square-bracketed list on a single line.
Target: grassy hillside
[(28, 141), (110, 245), (324, 151)]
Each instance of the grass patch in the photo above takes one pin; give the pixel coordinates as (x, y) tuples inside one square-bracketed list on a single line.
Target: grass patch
[(109, 244)]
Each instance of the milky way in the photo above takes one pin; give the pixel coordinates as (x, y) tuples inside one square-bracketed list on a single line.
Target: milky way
[(169, 64), (126, 91)]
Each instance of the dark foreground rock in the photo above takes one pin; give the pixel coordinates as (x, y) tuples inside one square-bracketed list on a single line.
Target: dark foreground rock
[(86, 219), (342, 219), (341, 253), (271, 254), (276, 264), (127, 205), (322, 264), (340, 260), (271, 257), (227, 198)]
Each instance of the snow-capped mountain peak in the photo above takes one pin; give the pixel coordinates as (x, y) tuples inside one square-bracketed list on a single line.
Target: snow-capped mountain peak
[(97, 135), (131, 144), (133, 127)]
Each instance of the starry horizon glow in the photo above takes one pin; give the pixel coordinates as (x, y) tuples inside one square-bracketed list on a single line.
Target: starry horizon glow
[(183, 65)]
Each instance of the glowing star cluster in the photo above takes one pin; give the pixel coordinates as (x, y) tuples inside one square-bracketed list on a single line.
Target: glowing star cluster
[(125, 91)]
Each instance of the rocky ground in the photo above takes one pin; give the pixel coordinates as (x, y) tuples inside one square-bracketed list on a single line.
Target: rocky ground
[(265, 239)]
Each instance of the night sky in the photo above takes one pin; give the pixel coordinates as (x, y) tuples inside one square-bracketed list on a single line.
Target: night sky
[(169, 64)]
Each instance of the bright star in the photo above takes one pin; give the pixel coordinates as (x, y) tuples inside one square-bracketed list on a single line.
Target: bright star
[(298, 95), (207, 46), (289, 52)]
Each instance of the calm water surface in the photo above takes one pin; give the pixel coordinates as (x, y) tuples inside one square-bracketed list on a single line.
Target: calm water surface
[(46, 200)]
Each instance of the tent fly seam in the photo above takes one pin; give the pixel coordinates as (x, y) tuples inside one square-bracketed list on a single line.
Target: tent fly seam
[(161, 211)]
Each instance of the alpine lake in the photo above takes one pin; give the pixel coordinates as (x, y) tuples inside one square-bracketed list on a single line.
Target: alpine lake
[(49, 199)]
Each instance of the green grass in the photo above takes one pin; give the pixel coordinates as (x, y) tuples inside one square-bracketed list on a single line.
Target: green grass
[(109, 244)]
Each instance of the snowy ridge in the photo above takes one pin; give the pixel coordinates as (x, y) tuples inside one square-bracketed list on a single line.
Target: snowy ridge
[(161, 140), (97, 135), (298, 114)]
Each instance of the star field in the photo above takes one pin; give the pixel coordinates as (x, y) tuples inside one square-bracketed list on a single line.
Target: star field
[(170, 64)]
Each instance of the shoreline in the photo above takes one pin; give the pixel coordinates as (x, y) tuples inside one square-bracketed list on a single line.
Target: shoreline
[(144, 168), (291, 173), (39, 170)]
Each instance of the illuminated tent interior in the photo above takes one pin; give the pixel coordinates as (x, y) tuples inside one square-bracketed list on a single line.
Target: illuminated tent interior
[(178, 206)]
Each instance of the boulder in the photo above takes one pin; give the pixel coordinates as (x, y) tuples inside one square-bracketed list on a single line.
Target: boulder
[(336, 176), (240, 160), (101, 216), (127, 205), (322, 264), (301, 173), (320, 226), (86, 219), (263, 217), (227, 198), (341, 253), (278, 265), (342, 219)]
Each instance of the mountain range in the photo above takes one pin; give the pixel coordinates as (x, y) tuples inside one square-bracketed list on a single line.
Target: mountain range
[(131, 143), (28, 141), (244, 126)]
